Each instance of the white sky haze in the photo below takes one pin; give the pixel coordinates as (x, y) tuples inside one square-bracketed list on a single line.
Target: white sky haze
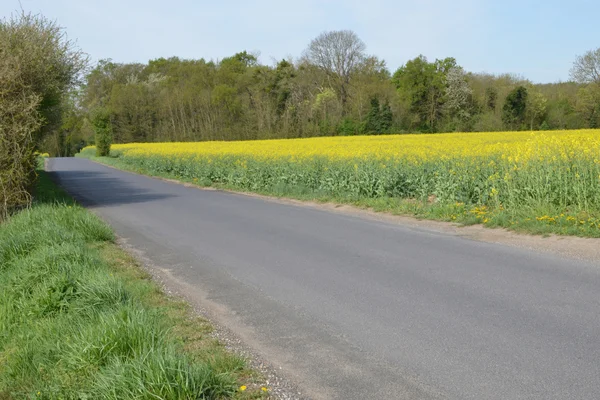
[(535, 39)]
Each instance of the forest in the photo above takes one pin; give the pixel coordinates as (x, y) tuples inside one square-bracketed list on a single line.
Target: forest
[(333, 88)]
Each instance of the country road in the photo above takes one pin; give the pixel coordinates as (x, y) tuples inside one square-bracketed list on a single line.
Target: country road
[(355, 308)]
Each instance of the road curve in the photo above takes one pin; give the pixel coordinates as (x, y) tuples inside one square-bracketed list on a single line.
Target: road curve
[(354, 308)]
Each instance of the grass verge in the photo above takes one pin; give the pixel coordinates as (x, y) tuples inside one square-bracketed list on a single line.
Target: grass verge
[(542, 219), (80, 319)]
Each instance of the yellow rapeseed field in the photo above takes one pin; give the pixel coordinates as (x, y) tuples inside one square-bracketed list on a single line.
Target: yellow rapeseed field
[(518, 146), (554, 173)]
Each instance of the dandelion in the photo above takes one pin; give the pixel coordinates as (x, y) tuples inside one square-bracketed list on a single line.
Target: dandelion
[(242, 388)]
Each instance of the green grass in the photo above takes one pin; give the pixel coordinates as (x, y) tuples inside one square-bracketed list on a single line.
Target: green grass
[(79, 319), (539, 219)]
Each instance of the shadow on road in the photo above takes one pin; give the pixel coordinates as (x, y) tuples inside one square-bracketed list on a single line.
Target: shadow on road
[(99, 189)]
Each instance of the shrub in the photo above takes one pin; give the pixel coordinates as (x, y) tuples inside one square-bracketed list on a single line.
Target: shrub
[(37, 66), (103, 131)]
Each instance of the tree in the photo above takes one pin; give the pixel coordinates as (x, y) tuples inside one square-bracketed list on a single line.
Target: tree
[(386, 118), (68, 139), (38, 65), (491, 96), (458, 94), (280, 86), (372, 121), (338, 53), (133, 108), (328, 91), (103, 131), (536, 108), (588, 106), (379, 118), (422, 85), (323, 107), (100, 81), (586, 68), (515, 105)]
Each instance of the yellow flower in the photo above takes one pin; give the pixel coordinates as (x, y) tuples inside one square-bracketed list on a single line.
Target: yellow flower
[(242, 388), (264, 389), (502, 165)]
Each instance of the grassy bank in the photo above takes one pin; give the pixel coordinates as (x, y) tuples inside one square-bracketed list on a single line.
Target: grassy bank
[(540, 215), (79, 319)]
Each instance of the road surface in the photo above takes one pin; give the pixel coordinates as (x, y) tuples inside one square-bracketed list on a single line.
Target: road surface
[(354, 308)]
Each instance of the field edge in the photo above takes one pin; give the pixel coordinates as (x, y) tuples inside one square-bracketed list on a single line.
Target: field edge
[(524, 221)]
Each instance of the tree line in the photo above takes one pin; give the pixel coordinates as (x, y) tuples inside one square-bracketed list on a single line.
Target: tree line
[(333, 88)]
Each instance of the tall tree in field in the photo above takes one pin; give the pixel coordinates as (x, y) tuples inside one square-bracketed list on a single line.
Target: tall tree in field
[(338, 53)]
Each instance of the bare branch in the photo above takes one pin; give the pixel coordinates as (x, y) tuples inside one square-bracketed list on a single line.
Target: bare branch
[(586, 68)]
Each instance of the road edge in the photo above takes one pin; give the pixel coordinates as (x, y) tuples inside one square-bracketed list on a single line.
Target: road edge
[(569, 247)]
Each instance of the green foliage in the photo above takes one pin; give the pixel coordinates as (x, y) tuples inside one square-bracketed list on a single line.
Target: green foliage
[(103, 130), (421, 85), (588, 105), (536, 108), (379, 118), (279, 86), (372, 121), (491, 97), (386, 118), (237, 98), (74, 132), (515, 106), (37, 67), (348, 128)]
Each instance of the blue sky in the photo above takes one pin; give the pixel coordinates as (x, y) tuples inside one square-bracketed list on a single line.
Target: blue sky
[(535, 39)]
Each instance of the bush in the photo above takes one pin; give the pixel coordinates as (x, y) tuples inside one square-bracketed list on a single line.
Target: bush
[(103, 131), (37, 66)]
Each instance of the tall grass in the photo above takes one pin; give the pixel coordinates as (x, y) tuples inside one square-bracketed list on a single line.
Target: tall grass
[(72, 326)]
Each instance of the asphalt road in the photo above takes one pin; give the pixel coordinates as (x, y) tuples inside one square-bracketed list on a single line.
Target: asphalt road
[(354, 308)]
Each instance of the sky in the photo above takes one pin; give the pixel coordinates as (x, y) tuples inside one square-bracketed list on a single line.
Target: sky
[(535, 39)]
